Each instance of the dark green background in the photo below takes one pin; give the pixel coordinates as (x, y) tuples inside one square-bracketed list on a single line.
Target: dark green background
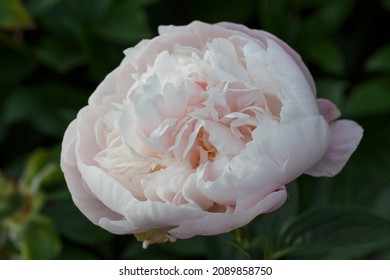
[(54, 53)]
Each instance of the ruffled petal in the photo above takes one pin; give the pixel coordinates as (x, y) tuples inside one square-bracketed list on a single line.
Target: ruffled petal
[(106, 189), (262, 36), (296, 86), (198, 131), (139, 215), (217, 223)]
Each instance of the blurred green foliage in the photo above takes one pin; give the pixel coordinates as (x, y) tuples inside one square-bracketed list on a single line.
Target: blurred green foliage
[(53, 54)]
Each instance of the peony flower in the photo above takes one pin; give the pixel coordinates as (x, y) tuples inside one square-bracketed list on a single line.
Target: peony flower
[(198, 131)]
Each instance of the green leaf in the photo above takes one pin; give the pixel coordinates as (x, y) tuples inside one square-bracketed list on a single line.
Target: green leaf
[(332, 89), (10, 199), (220, 247), (88, 11), (110, 55), (328, 16), (14, 75), (386, 4), (3, 237), (360, 183), (380, 205), (276, 17), (76, 252), (145, 2), (5, 248), (369, 97), (59, 56), (71, 223), (39, 239), (240, 250), (40, 7), (380, 60), (126, 23), (42, 168), (262, 235), (193, 248), (326, 54), (336, 232), (228, 13), (48, 107), (13, 15)]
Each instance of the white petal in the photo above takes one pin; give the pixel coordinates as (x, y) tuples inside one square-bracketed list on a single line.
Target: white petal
[(161, 138), (256, 65), (148, 109), (86, 146), (299, 145), (91, 207), (217, 223), (150, 215), (296, 85), (164, 184), (117, 226), (225, 61), (106, 189), (193, 195), (223, 139), (128, 126), (143, 215)]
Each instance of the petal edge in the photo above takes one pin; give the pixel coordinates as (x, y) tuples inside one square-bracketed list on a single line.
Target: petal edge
[(345, 137)]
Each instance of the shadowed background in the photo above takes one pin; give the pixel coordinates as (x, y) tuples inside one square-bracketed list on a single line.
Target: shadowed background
[(54, 53)]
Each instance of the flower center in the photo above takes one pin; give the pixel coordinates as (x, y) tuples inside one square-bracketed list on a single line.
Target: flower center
[(206, 150), (156, 168)]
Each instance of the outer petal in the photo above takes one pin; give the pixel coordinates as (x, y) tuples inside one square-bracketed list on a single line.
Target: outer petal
[(262, 35), (249, 177), (243, 184), (83, 198), (328, 110), (297, 86), (135, 215), (344, 139), (217, 223), (200, 30), (107, 87), (299, 145)]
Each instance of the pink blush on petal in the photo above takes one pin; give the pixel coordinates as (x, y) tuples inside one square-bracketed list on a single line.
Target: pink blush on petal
[(328, 110), (344, 139)]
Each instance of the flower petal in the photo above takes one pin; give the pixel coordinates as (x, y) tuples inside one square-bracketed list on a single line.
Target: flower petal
[(117, 226), (296, 86), (140, 215), (344, 139), (262, 36), (83, 198), (299, 145), (115, 197), (217, 223), (107, 87), (198, 131), (222, 138), (328, 110)]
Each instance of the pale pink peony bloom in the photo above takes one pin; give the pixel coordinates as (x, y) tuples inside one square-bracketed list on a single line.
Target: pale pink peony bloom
[(198, 131)]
